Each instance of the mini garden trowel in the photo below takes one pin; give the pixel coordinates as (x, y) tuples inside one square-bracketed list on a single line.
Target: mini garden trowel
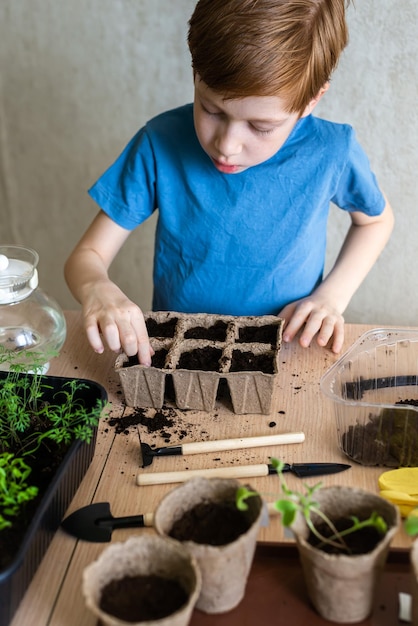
[(95, 522), (198, 447)]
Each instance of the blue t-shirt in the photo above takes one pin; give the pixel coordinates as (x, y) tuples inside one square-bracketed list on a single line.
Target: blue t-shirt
[(236, 244)]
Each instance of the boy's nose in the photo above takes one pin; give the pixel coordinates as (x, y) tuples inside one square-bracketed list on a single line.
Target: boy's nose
[(228, 143)]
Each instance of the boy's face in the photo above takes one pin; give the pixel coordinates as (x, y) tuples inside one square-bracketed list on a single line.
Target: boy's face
[(240, 133)]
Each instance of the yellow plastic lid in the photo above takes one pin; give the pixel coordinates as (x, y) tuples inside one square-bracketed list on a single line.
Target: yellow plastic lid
[(400, 486)]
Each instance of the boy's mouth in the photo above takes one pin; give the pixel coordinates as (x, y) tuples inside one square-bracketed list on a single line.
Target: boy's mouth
[(226, 169)]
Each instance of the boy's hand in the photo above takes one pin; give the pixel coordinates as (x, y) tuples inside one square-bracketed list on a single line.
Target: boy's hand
[(108, 313), (316, 317)]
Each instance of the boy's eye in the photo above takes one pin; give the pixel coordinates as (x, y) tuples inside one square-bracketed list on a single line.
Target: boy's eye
[(208, 111), (262, 131)]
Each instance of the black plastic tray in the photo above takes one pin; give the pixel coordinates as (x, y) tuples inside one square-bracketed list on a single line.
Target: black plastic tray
[(15, 579)]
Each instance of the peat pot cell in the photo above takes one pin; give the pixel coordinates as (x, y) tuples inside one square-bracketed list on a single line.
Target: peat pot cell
[(216, 332), (203, 359), (132, 360), (258, 334), (249, 362), (158, 360), (161, 329)]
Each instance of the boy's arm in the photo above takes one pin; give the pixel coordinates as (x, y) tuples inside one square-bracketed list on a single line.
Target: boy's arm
[(321, 313), (107, 311)]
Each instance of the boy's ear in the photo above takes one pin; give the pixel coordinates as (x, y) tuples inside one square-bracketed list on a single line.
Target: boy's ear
[(312, 104)]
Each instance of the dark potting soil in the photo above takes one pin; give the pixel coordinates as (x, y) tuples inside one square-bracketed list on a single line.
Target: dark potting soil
[(249, 362), (359, 542), (163, 418), (258, 334), (211, 359), (211, 523), (161, 329), (204, 359), (141, 598), (389, 438), (217, 332), (162, 423), (132, 360), (158, 360)]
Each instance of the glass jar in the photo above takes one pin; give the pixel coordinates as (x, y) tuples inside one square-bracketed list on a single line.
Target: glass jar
[(32, 324)]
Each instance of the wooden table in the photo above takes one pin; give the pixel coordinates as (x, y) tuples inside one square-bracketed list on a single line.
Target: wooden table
[(54, 596)]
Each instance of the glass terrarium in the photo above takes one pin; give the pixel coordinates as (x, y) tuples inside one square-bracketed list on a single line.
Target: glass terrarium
[(32, 324)]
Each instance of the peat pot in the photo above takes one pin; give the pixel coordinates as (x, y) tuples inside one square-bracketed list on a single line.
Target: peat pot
[(225, 567), (342, 587), (164, 568)]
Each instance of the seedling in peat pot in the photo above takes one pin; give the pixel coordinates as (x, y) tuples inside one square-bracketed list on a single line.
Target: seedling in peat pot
[(295, 502)]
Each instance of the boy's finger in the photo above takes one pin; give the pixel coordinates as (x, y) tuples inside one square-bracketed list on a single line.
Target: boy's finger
[(115, 337), (94, 338), (338, 342), (144, 353), (144, 350)]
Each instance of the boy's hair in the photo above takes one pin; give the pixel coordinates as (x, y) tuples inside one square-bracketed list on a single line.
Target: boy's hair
[(284, 48)]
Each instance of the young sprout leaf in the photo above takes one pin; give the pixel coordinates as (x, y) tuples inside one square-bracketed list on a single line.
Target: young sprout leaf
[(411, 524), (288, 510), (241, 497)]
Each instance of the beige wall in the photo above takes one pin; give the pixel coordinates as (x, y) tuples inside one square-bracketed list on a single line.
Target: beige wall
[(78, 78)]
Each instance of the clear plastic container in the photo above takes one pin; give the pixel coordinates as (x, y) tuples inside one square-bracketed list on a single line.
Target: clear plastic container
[(374, 391), (32, 324)]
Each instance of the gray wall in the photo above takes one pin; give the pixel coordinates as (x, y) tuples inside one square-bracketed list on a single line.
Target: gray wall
[(78, 78)]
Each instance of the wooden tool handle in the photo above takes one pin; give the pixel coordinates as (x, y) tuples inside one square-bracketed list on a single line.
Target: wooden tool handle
[(148, 520), (242, 442), (240, 471)]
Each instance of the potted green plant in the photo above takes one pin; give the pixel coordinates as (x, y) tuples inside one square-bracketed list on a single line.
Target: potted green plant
[(201, 513), (48, 428), (343, 536)]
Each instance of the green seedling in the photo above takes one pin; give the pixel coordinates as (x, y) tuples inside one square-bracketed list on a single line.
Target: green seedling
[(295, 502), (14, 490), (26, 421), (411, 523), (30, 425)]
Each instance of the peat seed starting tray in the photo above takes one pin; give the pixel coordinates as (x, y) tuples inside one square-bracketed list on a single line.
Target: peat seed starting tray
[(195, 354)]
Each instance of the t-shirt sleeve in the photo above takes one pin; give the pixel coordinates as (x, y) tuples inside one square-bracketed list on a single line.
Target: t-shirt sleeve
[(126, 191), (357, 187)]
